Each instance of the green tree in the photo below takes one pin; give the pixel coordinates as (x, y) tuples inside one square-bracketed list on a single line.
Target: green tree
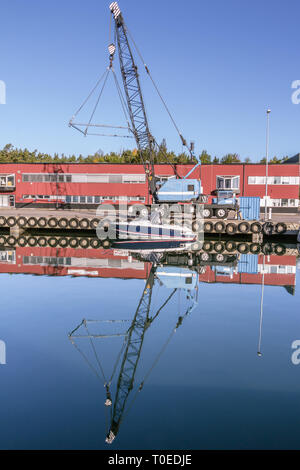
[(231, 158), (205, 158)]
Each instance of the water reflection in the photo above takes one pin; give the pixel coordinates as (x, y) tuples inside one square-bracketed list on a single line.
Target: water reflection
[(216, 262), (178, 272), (178, 280), (113, 347)]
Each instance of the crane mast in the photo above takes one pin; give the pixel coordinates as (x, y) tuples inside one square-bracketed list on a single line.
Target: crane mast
[(131, 356), (136, 108)]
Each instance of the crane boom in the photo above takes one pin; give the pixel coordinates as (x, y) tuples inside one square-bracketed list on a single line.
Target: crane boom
[(131, 356), (137, 113)]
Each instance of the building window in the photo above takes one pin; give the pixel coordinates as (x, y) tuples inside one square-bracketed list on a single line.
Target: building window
[(284, 202), (7, 181), (294, 180), (228, 182), (82, 178)]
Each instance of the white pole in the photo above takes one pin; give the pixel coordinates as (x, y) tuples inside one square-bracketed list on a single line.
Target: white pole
[(267, 162), (259, 353)]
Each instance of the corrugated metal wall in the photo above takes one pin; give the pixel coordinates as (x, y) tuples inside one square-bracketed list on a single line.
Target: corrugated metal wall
[(248, 264), (250, 207)]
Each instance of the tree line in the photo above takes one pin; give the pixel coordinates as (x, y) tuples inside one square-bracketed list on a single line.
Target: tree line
[(10, 154)]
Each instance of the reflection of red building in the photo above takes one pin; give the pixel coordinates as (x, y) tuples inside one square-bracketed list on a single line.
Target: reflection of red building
[(278, 270), (72, 262), (87, 185)]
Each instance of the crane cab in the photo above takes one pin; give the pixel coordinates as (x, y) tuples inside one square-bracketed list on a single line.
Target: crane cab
[(174, 277), (179, 190)]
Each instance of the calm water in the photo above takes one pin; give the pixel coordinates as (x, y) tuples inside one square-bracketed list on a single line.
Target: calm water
[(205, 387)]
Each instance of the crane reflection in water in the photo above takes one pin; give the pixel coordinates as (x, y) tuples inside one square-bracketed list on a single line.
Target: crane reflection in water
[(175, 279)]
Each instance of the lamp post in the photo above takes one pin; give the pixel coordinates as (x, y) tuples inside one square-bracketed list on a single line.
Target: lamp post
[(267, 161)]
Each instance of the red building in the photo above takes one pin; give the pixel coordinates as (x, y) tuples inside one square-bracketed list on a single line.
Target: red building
[(75, 185)]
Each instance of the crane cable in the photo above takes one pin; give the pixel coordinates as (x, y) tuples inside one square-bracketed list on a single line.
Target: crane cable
[(179, 322), (184, 143), (90, 94), (156, 360), (106, 382), (122, 100)]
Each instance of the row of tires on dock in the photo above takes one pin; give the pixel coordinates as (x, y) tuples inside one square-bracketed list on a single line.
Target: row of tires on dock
[(51, 222), (244, 227), (62, 242)]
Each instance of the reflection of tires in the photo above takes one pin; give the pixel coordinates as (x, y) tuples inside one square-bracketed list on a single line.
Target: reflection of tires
[(11, 221), (244, 227), (230, 246), (32, 221), (22, 241), (94, 223), (205, 256), (73, 223), (207, 213), (243, 248), (256, 227), (84, 224), (231, 229), (42, 241), (84, 242), (63, 242), (32, 241), (2, 221), (73, 242), (219, 227), (52, 222), (221, 213), (11, 240), (2, 240), (63, 222), (280, 249), (106, 244), (219, 247), (281, 228), (267, 249), (255, 248), (22, 221), (53, 242), (208, 227), (207, 246), (42, 222), (220, 258), (95, 243)]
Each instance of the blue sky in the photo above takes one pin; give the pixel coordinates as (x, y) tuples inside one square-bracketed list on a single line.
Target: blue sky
[(218, 64)]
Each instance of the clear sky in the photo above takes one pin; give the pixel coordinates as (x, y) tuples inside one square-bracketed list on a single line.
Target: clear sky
[(219, 65)]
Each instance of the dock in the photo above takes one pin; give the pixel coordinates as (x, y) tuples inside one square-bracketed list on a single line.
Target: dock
[(17, 222)]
